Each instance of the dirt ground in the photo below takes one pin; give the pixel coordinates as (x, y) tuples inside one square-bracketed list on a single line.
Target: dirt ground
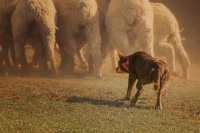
[(84, 104)]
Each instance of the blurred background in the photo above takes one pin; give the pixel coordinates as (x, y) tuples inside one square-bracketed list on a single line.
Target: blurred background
[(188, 15)]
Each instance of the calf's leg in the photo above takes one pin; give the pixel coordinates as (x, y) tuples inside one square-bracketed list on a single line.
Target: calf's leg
[(131, 82), (139, 87)]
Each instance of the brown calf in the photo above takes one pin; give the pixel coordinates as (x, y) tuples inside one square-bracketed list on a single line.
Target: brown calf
[(146, 69)]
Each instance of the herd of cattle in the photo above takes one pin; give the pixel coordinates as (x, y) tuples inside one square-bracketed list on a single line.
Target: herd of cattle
[(97, 26)]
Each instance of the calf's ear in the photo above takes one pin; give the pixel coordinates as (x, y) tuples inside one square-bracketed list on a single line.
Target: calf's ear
[(120, 54)]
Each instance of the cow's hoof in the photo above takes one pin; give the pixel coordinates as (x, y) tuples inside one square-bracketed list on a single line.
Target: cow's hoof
[(98, 76), (132, 104), (186, 76), (158, 108), (126, 98)]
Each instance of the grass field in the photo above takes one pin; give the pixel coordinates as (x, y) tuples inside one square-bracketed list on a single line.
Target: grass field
[(71, 104)]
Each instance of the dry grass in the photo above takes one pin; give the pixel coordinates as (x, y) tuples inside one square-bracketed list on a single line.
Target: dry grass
[(88, 105)]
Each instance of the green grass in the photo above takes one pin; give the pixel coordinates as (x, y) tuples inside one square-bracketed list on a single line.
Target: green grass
[(87, 105)]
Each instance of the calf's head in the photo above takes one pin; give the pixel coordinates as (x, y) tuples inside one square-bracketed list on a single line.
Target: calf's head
[(123, 63)]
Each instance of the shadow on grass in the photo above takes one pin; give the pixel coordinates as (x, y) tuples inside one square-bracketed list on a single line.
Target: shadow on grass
[(116, 103), (144, 107), (77, 99)]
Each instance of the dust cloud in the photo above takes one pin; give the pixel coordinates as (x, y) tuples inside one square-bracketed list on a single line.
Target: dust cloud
[(187, 13)]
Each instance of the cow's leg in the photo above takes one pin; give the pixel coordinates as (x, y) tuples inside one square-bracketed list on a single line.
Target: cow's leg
[(139, 87), (43, 65), (48, 42), (91, 64), (12, 53), (1, 56), (87, 58), (68, 50), (6, 57), (164, 46), (5, 52), (65, 59), (94, 42), (39, 57), (114, 59), (19, 29), (3, 25), (10, 44), (181, 53), (7, 46), (81, 57), (71, 50)]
